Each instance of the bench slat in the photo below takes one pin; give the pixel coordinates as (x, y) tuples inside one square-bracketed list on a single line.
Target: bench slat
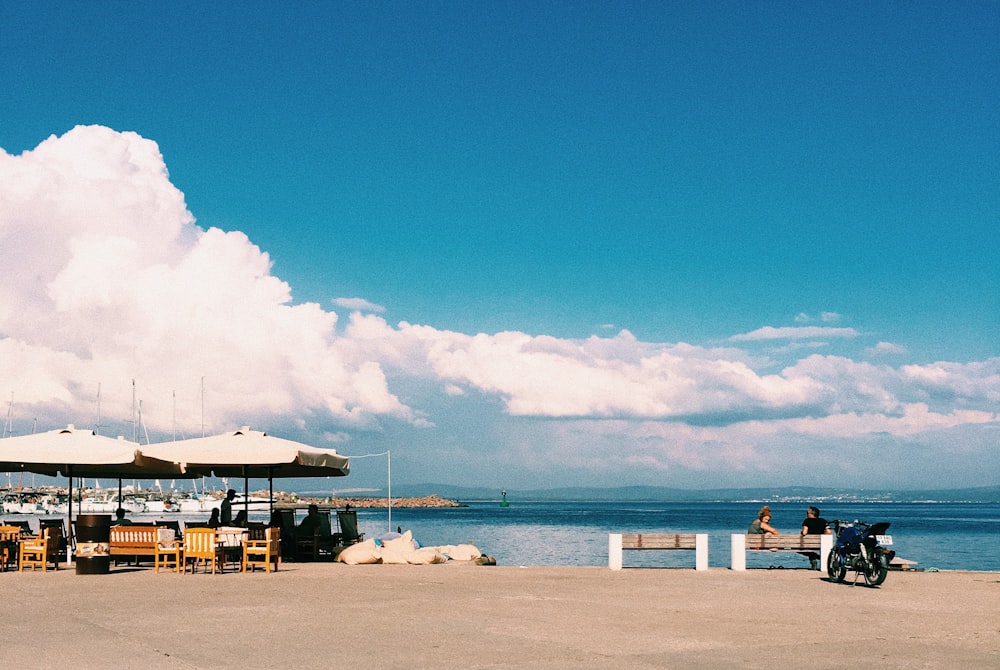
[(784, 542), (131, 540), (658, 541)]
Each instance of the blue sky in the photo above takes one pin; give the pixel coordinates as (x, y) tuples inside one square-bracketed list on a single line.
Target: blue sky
[(793, 210)]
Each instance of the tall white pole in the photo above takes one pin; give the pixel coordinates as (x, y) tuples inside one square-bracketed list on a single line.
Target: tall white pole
[(388, 460)]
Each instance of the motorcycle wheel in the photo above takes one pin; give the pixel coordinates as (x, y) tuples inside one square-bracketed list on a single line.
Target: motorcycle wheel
[(876, 568), (835, 567)]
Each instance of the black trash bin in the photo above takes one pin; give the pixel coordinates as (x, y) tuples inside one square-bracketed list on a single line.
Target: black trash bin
[(93, 538)]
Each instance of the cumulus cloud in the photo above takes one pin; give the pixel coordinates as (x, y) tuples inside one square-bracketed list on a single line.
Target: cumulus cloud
[(825, 317), (885, 348), (109, 279), (794, 333), (358, 305)]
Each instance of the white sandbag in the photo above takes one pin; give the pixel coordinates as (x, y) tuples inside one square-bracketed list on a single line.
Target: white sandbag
[(460, 552), (426, 556), (362, 553), (396, 555), (402, 544)]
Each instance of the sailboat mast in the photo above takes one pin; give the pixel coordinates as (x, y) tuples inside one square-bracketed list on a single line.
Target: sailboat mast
[(97, 428), (8, 427), (135, 423)]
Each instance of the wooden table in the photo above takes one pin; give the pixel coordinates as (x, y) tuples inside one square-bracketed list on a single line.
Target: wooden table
[(230, 538)]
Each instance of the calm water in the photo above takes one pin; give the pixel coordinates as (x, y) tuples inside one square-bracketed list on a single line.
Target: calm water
[(941, 535), (947, 536)]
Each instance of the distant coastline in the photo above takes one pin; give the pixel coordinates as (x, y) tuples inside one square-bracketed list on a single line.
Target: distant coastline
[(983, 494), (422, 502)]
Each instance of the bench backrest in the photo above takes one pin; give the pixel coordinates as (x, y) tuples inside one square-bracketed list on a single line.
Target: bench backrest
[(658, 541), (788, 542), (134, 535)]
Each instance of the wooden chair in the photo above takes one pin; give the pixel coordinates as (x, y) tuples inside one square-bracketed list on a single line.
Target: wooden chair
[(58, 540), (201, 545), (9, 536), (262, 548), (34, 551), (169, 551), (175, 525)]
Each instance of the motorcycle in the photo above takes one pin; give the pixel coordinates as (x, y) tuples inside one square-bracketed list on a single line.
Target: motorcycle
[(861, 547)]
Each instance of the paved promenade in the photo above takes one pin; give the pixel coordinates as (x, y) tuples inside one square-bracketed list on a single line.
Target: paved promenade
[(323, 615)]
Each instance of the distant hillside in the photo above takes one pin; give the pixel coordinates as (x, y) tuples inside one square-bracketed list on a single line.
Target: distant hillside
[(985, 494)]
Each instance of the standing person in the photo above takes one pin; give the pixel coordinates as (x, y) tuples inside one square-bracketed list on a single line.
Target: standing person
[(762, 524), (814, 524), (226, 512)]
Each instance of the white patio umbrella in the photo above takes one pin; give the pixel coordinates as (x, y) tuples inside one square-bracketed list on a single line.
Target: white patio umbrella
[(82, 453), (250, 453), (73, 452)]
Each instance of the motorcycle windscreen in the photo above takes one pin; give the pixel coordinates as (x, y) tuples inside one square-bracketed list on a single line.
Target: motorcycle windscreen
[(878, 528)]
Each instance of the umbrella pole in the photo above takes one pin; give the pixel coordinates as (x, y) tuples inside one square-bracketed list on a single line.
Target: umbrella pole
[(69, 511), (246, 494), (270, 493)]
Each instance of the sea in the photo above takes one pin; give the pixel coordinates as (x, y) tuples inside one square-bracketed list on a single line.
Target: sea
[(942, 536), (934, 535)]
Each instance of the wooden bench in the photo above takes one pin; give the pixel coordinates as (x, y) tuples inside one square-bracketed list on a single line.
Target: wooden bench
[(698, 542), (816, 544), (133, 541)]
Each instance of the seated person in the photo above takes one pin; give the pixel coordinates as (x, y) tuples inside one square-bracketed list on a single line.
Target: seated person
[(814, 524), (762, 524), (120, 519), (311, 525), (213, 521)]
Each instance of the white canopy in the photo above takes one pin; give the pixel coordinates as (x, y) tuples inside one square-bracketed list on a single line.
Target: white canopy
[(75, 452), (250, 453)]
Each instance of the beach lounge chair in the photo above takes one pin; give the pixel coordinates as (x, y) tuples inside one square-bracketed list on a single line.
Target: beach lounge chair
[(201, 546), (320, 545), (20, 523), (261, 548), (287, 533), (348, 520)]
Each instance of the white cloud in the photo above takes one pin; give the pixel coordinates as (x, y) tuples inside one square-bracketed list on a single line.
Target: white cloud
[(825, 317), (793, 333), (358, 305), (113, 281), (108, 279), (885, 348)]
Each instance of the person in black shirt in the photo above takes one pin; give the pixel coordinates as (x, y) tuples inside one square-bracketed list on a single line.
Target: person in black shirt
[(814, 524), (226, 515)]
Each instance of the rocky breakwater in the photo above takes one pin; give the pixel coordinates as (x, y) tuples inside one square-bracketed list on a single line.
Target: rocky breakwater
[(430, 502)]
